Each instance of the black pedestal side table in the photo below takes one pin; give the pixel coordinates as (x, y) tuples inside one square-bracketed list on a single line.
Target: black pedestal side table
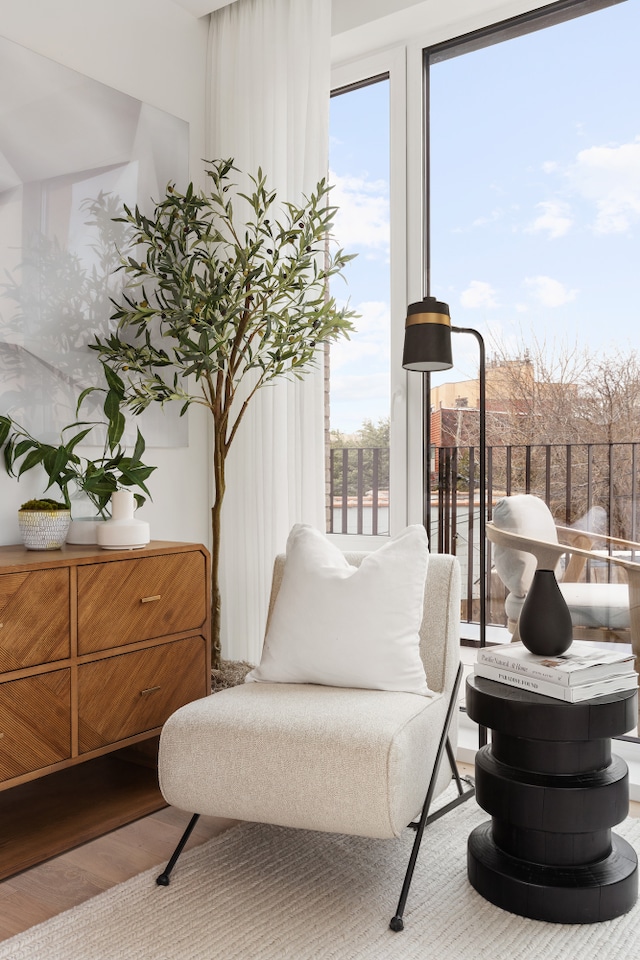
[(553, 790)]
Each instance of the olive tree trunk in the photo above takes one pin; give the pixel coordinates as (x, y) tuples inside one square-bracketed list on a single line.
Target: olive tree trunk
[(219, 458)]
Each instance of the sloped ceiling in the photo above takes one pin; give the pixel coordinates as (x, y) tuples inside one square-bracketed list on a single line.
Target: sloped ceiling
[(200, 8), (354, 12)]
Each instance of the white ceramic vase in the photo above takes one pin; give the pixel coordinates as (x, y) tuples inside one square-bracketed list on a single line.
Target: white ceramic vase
[(122, 531)]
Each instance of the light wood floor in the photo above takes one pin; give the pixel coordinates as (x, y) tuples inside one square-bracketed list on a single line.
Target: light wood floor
[(68, 880)]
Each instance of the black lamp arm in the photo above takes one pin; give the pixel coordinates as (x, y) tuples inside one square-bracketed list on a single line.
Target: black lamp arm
[(483, 478)]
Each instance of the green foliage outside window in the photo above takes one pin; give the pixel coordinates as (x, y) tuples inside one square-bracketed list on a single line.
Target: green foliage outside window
[(373, 440)]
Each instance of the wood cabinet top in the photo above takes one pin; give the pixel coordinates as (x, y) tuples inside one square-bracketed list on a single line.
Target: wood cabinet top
[(16, 556)]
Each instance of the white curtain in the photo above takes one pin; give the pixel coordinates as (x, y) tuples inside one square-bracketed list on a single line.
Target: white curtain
[(269, 73)]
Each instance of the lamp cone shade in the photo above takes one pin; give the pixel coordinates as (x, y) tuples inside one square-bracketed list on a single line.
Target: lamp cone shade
[(427, 336)]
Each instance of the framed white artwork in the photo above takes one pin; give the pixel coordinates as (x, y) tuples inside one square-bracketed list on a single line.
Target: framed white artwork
[(72, 152)]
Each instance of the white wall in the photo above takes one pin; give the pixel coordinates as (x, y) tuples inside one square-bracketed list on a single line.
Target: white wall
[(154, 51), (150, 49)]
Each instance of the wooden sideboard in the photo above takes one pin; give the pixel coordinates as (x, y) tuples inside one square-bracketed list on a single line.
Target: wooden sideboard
[(97, 649)]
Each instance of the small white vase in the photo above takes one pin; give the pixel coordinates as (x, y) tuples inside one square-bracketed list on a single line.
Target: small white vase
[(122, 531)]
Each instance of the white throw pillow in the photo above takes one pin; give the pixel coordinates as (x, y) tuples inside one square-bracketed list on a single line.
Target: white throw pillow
[(346, 626)]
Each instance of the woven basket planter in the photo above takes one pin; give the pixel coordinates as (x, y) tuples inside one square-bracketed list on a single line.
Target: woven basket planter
[(43, 529)]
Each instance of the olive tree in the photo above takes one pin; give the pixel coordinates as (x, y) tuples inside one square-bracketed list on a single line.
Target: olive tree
[(226, 291)]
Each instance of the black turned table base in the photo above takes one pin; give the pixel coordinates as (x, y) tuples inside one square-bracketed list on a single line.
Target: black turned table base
[(578, 894), (553, 790)]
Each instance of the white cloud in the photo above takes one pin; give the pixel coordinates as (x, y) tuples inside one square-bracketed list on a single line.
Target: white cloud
[(555, 219), (550, 166), (478, 294), (609, 177), (356, 397), (362, 220), (360, 369), (354, 387), (550, 292), (495, 215), (369, 345)]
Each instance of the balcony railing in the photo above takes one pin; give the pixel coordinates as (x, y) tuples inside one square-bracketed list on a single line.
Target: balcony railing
[(583, 484), (359, 490)]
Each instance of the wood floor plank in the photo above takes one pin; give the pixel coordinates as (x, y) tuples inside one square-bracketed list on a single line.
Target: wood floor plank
[(113, 862), (18, 912), (43, 891), (53, 888)]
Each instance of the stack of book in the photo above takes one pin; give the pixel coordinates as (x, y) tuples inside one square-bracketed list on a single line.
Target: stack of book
[(583, 672)]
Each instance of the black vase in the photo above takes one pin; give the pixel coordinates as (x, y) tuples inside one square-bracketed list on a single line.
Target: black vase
[(545, 622)]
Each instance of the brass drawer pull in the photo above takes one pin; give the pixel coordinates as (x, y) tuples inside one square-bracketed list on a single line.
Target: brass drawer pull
[(145, 693), (150, 599)]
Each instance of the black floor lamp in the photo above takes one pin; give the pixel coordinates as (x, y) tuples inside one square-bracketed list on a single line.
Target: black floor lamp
[(427, 348)]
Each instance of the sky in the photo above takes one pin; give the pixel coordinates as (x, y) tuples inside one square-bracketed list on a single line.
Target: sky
[(535, 202), (359, 162)]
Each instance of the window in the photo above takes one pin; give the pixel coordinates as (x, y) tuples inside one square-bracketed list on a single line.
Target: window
[(534, 168), (533, 239), (359, 391)]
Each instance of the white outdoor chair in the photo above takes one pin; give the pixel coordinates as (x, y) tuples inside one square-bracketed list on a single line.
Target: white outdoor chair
[(336, 759), (526, 538)]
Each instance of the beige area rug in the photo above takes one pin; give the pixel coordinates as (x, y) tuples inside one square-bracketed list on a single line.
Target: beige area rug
[(265, 893)]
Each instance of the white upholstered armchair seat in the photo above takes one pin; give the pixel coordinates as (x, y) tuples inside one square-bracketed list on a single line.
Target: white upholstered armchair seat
[(337, 759), (304, 755)]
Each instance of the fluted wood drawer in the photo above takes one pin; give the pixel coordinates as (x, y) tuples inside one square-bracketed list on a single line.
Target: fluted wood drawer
[(128, 694), (35, 726), (34, 618), (131, 600)]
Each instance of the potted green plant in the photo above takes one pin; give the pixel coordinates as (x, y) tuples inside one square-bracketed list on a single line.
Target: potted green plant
[(67, 469), (227, 291), (43, 524)]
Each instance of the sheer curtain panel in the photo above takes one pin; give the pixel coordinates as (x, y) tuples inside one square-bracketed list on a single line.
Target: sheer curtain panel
[(269, 75)]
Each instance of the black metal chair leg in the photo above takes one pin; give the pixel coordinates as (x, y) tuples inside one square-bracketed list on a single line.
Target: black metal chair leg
[(163, 879), (463, 795), (454, 766), (397, 923)]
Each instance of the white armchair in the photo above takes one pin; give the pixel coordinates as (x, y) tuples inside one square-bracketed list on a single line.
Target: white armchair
[(327, 758), (526, 538)]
